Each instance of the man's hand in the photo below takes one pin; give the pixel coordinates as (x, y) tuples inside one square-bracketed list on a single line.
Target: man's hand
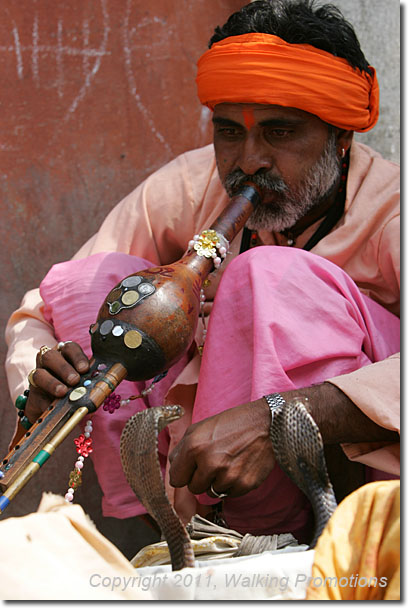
[(56, 371), (230, 451)]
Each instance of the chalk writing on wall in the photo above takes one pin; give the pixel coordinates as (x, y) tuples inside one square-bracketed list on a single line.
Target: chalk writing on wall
[(48, 57)]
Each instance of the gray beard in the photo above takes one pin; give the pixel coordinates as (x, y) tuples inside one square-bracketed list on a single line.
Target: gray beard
[(290, 206)]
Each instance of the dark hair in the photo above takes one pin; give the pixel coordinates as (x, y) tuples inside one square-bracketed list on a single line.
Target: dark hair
[(300, 21)]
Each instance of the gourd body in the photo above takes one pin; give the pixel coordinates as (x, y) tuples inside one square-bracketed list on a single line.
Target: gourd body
[(152, 333)]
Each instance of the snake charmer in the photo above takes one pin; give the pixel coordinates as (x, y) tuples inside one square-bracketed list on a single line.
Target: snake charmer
[(305, 305)]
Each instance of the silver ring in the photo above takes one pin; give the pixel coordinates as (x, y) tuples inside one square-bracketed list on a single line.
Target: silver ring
[(62, 344), (216, 494)]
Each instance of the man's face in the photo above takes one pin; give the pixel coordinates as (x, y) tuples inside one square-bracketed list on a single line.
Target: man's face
[(290, 154)]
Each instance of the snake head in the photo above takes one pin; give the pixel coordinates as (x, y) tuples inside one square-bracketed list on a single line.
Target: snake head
[(168, 414)]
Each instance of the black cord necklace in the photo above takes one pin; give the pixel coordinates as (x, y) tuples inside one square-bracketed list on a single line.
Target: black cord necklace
[(333, 215)]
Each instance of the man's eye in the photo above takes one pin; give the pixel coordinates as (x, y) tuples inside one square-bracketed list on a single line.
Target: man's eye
[(278, 133), (228, 132)]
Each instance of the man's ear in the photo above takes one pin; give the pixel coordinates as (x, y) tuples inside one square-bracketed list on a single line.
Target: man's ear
[(344, 141)]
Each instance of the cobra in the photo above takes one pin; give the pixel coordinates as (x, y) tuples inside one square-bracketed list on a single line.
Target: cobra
[(140, 462), (298, 449)]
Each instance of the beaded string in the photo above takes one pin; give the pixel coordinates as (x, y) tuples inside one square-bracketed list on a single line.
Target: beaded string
[(202, 298), (114, 401), (213, 245), (84, 448), (20, 406)]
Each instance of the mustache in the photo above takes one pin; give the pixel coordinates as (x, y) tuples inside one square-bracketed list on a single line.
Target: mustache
[(235, 179)]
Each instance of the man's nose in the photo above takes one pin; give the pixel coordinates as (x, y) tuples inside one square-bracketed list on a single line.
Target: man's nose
[(254, 156)]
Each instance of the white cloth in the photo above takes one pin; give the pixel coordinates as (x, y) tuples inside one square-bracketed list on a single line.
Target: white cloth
[(58, 554)]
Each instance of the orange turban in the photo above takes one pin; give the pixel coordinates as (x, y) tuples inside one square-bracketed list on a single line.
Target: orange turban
[(264, 69)]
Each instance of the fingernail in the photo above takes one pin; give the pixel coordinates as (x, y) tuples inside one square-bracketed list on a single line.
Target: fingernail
[(73, 378), (83, 365), (61, 390)]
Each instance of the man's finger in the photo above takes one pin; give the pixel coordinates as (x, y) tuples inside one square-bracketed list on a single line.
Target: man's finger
[(46, 382), (37, 403), (200, 481), (182, 466), (63, 366), (75, 355)]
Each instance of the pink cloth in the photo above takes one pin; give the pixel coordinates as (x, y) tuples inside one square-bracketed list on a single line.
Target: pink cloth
[(284, 319)]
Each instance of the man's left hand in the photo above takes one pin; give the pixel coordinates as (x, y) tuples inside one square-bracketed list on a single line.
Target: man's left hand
[(231, 451)]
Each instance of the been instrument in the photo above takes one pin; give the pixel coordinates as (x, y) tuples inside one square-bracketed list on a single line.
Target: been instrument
[(145, 325)]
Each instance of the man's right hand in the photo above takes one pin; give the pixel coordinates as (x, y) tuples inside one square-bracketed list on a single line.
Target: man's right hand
[(56, 371)]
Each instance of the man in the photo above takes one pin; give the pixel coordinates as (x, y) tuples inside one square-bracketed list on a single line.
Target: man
[(288, 85)]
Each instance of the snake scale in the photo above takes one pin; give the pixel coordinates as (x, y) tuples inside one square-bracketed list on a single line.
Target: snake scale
[(298, 448)]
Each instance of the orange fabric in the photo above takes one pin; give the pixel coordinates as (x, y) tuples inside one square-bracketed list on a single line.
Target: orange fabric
[(264, 69)]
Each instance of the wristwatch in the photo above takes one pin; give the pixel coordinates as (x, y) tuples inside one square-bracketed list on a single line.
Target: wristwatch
[(274, 401)]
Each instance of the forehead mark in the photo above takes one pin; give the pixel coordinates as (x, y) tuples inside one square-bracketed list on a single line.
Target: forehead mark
[(249, 118)]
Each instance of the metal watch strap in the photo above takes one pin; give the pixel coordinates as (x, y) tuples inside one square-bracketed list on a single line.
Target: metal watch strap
[(274, 401)]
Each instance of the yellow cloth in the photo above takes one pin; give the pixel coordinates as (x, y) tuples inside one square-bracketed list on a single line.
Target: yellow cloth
[(212, 547), (358, 555)]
